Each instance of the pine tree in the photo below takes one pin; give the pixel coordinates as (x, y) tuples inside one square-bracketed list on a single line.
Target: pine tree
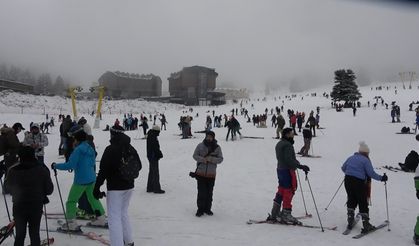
[(345, 88)]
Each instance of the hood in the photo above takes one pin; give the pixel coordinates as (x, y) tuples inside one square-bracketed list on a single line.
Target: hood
[(120, 139)]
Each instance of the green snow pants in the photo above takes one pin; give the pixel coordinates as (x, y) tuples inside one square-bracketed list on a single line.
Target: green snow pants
[(73, 197)]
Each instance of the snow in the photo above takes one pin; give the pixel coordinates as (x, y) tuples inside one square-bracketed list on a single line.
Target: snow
[(246, 181)]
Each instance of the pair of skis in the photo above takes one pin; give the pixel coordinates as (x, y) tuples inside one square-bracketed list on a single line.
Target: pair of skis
[(363, 233)]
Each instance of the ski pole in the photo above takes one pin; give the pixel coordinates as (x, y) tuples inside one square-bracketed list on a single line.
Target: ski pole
[(334, 194), (61, 197), (302, 195), (5, 201), (46, 222), (388, 219), (314, 201)]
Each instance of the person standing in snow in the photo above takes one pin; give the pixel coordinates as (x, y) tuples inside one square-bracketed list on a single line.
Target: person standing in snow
[(119, 190), (207, 155), (154, 154), (307, 141), (36, 140), (312, 123), (287, 181), (358, 169), (82, 161), (280, 123), (29, 184), (416, 234)]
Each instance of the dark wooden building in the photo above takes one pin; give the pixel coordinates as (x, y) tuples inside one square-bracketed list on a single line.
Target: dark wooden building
[(194, 86), (126, 85), (15, 86)]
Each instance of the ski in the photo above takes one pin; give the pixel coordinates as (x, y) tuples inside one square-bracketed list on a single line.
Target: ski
[(384, 224), (89, 224), (6, 231), (252, 137), (393, 169), (348, 230), (91, 235), (61, 216), (46, 241), (251, 222), (310, 156)]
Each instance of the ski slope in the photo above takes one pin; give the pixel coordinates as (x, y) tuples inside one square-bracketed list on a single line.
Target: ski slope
[(246, 182)]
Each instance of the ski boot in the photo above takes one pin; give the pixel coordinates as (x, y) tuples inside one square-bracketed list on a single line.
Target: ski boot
[(366, 223), (71, 226), (351, 218), (416, 239), (100, 221), (288, 219), (275, 214)]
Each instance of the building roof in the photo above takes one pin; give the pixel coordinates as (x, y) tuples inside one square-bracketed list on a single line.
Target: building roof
[(196, 67), (134, 75)]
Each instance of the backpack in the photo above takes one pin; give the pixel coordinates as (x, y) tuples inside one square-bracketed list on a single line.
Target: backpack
[(130, 164)]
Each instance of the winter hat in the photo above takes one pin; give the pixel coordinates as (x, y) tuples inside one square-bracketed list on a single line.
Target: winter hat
[(18, 125), (35, 125), (156, 128), (82, 121), (286, 131), (26, 153), (363, 147), (78, 133), (210, 133), (116, 129)]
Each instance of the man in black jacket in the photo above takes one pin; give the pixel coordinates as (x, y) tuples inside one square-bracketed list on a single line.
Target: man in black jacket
[(29, 184), (154, 154), (307, 141), (119, 189)]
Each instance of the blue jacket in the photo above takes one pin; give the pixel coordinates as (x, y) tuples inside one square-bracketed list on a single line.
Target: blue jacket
[(360, 167), (82, 161)]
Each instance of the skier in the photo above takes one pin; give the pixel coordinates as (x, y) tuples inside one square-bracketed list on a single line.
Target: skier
[(144, 125), (287, 181), (163, 122), (358, 169), (207, 155), (416, 235), (154, 154), (82, 161), (354, 110), (299, 121), (307, 141), (36, 140), (280, 123), (312, 123), (119, 190), (29, 184)]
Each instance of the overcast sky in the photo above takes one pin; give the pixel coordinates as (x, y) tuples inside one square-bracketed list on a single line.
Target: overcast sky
[(249, 43)]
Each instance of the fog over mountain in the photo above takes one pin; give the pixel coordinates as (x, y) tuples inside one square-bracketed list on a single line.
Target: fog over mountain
[(249, 43)]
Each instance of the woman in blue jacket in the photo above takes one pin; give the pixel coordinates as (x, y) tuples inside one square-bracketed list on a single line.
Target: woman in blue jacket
[(358, 169), (82, 161)]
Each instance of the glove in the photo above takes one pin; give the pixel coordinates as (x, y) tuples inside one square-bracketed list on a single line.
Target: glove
[(384, 178), (417, 194), (98, 194), (305, 168), (53, 166)]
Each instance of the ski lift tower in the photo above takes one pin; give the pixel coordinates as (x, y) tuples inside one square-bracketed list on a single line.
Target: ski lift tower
[(72, 92), (101, 90)]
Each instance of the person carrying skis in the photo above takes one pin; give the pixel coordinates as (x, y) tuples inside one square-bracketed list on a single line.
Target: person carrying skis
[(207, 155), (154, 154), (82, 161), (287, 181), (119, 189), (29, 184), (358, 169)]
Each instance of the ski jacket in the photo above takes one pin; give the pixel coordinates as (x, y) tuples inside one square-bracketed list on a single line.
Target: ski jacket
[(359, 166), (11, 145), (29, 182), (285, 155), (153, 147), (311, 120), (111, 161), (39, 139), (307, 133), (202, 153), (82, 161), (280, 121)]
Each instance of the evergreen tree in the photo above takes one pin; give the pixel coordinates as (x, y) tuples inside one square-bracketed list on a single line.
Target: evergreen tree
[(59, 87), (345, 88)]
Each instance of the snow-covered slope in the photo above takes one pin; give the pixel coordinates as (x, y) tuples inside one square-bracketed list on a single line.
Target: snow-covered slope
[(246, 181)]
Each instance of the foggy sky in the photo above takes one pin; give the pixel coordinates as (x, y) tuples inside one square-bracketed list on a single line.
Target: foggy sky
[(249, 43)]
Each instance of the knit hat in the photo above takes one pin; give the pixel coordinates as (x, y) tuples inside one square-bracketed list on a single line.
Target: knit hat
[(26, 153), (156, 128), (210, 133), (286, 131), (363, 147), (116, 129)]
